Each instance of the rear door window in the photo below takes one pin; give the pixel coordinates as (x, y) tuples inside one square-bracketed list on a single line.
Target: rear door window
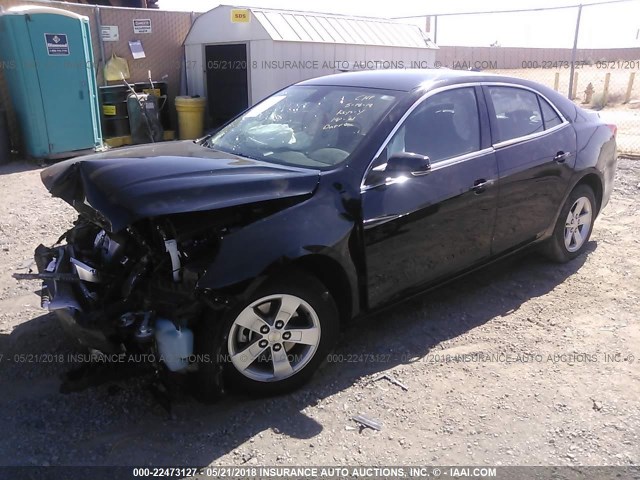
[(549, 115), (517, 113)]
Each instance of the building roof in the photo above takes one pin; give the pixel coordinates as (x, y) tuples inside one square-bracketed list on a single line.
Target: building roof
[(311, 27), (294, 26)]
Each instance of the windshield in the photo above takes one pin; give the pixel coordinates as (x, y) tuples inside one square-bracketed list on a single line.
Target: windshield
[(306, 126)]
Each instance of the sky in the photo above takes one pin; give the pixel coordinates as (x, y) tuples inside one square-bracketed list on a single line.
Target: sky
[(601, 26)]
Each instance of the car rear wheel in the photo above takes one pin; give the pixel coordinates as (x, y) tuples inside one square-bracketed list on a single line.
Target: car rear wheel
[(273, 343), (574, 226)]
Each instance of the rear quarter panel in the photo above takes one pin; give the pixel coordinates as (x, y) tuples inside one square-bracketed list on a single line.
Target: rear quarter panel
[(597, 152)]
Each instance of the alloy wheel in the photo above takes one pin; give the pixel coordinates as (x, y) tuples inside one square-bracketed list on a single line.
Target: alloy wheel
[(578, 224), (274, 338)]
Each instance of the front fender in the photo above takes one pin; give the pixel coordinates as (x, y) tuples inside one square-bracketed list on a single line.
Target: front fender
[(318, 226)]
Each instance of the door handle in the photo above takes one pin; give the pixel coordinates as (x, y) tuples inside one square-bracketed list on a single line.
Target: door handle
[(561, 156), (480, 185)]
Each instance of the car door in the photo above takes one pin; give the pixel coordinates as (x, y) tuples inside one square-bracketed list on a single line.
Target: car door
[(418, 229), (535, 148)]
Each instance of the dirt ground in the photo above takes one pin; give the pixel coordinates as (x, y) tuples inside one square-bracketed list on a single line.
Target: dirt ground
[(523, 363)]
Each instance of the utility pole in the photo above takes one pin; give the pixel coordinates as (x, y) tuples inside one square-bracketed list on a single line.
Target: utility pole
[(574, 52)]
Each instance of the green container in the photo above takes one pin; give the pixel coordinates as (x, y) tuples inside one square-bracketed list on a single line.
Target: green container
[(159, 90)]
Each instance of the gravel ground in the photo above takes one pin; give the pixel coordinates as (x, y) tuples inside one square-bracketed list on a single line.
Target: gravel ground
[(523, 363)]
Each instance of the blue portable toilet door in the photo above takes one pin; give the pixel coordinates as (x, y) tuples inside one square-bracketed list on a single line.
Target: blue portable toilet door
[(62, 63)]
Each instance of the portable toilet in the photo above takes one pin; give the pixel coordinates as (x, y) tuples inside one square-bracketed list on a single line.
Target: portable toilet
[(48, 65)]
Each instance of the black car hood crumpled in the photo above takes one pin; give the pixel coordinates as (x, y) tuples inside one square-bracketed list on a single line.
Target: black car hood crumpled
[(177, 177)]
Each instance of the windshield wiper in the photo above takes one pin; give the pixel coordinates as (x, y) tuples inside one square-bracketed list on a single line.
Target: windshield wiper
[(208, 144)]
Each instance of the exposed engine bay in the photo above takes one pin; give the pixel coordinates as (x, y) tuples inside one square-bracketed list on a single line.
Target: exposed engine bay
[(137, 290), (130, 291)]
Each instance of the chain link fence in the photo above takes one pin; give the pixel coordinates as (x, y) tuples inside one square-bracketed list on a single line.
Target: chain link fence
[(606, 80), (610, 87)]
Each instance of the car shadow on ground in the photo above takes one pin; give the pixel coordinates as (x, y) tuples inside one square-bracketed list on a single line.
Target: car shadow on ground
[(18, 166), (101, 424)]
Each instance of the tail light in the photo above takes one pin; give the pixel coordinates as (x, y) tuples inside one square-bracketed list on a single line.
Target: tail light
[(613, 128)]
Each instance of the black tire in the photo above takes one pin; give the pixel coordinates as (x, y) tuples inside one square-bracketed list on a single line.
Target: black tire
[(555, 248), (213, 339)]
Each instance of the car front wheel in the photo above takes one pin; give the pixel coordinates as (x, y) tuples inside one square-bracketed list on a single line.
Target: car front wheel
[(574, 226), (274, 342)]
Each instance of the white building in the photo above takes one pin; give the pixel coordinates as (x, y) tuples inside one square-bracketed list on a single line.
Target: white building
[(237, 56)]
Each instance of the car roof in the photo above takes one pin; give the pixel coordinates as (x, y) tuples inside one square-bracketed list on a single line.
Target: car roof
[(405, 80)]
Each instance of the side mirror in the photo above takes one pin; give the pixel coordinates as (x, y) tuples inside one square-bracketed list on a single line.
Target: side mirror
[(408, 163)]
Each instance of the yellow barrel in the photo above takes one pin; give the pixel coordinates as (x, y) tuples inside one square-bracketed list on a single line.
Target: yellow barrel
[(190, 116)]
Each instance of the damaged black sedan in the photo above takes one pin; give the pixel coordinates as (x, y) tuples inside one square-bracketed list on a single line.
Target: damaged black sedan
[(237, 257)]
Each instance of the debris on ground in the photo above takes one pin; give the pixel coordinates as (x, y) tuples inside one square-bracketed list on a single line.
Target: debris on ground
[(367, 422), (392, 380)]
